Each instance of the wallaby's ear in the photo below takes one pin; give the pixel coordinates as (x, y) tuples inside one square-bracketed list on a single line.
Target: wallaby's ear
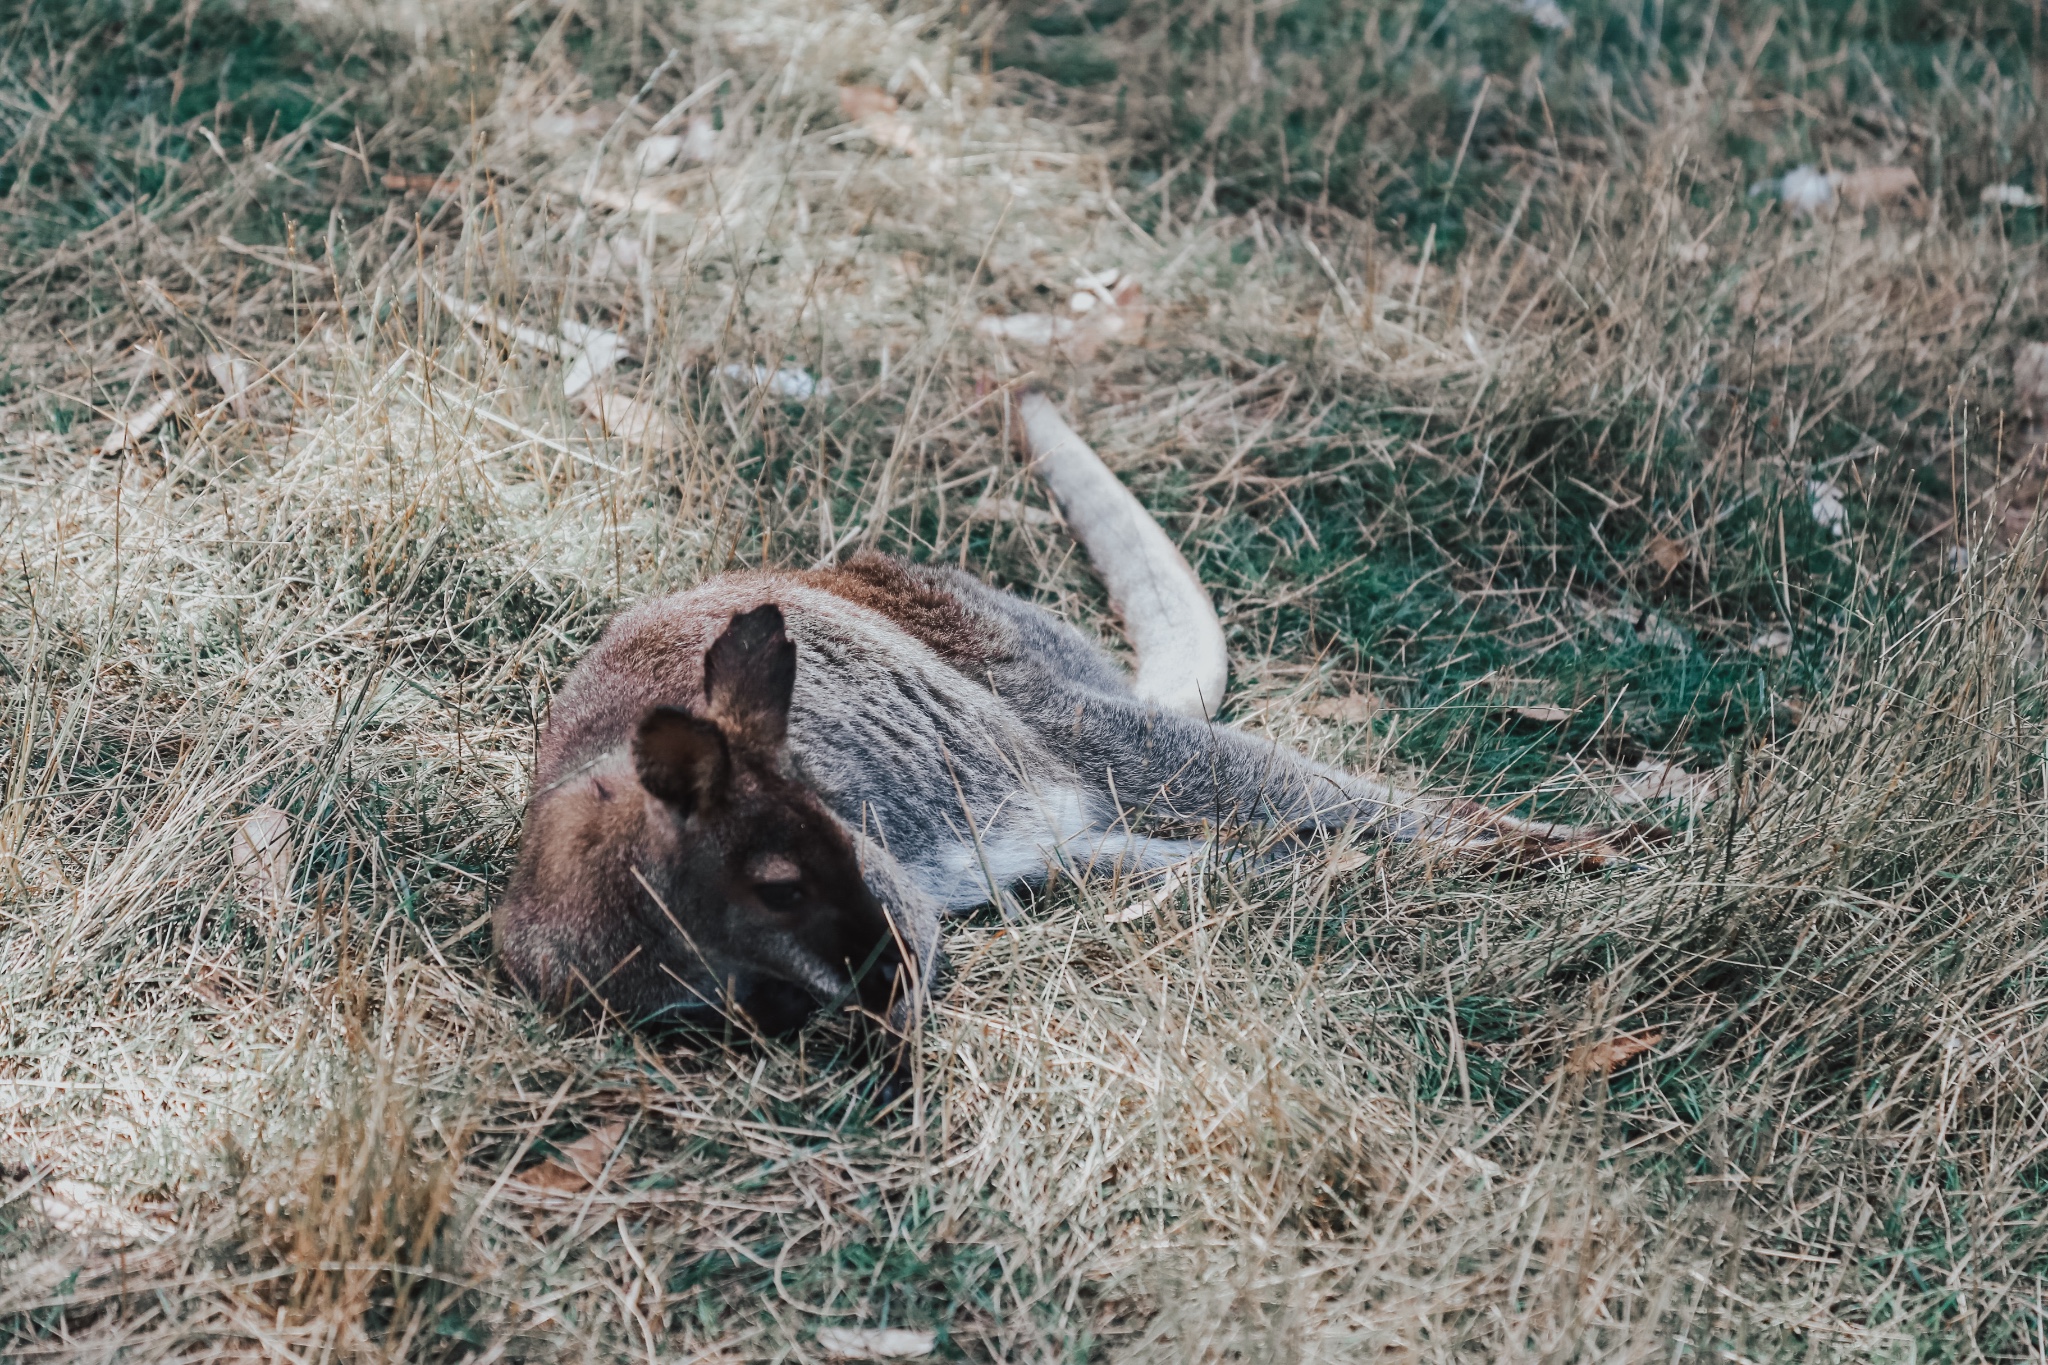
[(680, 758), (749, 672)]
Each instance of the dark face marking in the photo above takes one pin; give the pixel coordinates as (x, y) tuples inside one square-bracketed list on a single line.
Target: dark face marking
[(693, 875)]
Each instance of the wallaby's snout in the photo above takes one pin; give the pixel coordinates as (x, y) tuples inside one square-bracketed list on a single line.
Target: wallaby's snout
[(694, 873)]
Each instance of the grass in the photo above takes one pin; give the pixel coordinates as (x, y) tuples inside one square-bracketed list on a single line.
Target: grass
[(1467, 402)]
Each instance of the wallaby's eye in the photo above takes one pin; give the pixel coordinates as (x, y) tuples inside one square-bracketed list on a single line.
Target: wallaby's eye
[(780, 895)]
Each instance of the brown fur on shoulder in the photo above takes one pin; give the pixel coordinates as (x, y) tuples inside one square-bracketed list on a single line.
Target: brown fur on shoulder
[(915, 601)]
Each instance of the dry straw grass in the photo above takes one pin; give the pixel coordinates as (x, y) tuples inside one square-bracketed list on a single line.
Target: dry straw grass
[(1778, 1095)]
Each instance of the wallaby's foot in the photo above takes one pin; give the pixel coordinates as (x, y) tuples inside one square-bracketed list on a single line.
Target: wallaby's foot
[(1590, 851), (1500, 843)]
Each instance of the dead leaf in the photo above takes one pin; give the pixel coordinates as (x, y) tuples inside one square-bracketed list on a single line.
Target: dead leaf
[(156, 296), (2030, 377), (263, 856), (655, 152), (894, 132), (1357, 708), (2009, 197), (876, 1343), (433, 186), (700, 140), (1175, 880), (130, 432), (1028, 329), (627, 419), (1831, 723), (235, 376), (790, 381), (1646, 626), (597, 352), (1544, 14), (1875, 185), (553, 1176), (1106, 305), (697, 142), (579, 1165), (561, 127), (1544, 714), (592, 352), (876, 113), (1804, 190), (639, 201), (89, 1213), (859, 101), (1346, 860), (1666, 553), (1656, 780), (1478, 1165), (1776, 643), (616, 257), (1825, 500), (1012, 509), (485, 316), (1601, 1058)]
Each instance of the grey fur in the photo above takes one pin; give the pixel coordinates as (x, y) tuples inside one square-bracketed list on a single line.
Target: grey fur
[(958, 778)]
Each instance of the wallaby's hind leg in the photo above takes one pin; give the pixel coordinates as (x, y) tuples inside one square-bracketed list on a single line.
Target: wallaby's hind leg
[(1164, 766)]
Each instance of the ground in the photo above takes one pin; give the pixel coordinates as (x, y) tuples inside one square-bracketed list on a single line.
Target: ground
[(1543, 431)]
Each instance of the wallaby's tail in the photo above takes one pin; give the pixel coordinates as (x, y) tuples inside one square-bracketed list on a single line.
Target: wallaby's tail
[(1192, 770), (1167, 615)]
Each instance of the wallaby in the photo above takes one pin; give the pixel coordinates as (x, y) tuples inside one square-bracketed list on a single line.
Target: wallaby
[(761, 796)]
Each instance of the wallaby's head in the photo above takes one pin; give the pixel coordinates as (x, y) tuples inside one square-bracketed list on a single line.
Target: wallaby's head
[(690, 872)]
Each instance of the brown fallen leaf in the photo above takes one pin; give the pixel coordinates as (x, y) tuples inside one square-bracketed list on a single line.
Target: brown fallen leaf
[(1175, 880), (696, 143), (1012, 509), (877, 112), (1875, 185), (88, 1213), (263, 856), (859, 101), (131, 431), (1096, 314), (1603, 1057), (235, 377), (1828, 724), (1356, 709), (639, 201), (1027, 329), (578, 1165), (1544, 714), (594, 352), (894, 132), (616, 257), (433, 186), (1477, 1164), (2030, 378), (1655, 780), (626, 419), (1346, 860), (163, 301), (1667, 553), (876, 1343)]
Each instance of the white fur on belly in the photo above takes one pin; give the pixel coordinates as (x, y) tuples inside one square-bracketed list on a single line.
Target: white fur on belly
[(1037, 832)]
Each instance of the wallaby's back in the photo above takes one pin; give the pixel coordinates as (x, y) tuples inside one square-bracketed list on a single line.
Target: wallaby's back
[(776, 781)]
